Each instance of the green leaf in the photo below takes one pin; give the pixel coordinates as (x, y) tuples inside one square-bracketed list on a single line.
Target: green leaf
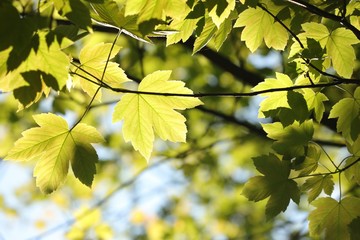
[(347, 110), (309, 163), (338, 45), (92, 64), (259, 26), (185, 29), (55, 146), (273, 100), (112, 13), (353, 172), (218, 13), (207, 33), (332, 218), (316, 184), (45, 67), (298, 106), (274, 183), (224, 30), (145, 114), (315, 101), (291, 140), (75, 11)]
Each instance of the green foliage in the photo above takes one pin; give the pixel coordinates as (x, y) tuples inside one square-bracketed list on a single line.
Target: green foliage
[(154, 113), (333, 217), (347, 110), (93, 59), (55, 146), (56, 56), (275, 183)]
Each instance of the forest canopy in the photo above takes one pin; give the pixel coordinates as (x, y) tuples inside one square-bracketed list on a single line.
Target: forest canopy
[(251, 109)]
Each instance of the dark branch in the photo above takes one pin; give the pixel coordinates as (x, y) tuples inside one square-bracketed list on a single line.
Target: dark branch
[(322, 13)]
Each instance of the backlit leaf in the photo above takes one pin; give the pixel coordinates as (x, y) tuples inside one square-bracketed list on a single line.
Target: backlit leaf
[(207, 33), (292, 139), (145, 114), (338, 44), (274, 184), (347, 110), (315, 102), (92, 64), (260, 25), (55, 147), (273, 100), (317, 184), (218, 14), (332, 217), (75, 11)]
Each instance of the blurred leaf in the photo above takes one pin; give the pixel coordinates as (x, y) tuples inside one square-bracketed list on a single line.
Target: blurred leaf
[(316, 184), (347, 110), (332, 218)]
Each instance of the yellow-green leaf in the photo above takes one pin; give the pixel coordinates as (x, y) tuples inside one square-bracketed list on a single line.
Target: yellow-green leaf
[(260, 25), (332, 218), (273, 100), (338, 44), (92, 64), (347, 110), (145, 114), (55, 147), (217, 18), (317, 184)]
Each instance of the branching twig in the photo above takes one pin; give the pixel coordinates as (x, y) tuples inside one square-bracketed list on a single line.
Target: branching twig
[(313, 9)]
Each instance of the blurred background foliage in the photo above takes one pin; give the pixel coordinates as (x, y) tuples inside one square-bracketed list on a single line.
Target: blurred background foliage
[(188, 191)]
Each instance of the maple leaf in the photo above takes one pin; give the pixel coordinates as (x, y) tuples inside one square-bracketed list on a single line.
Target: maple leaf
[(45, 67), (353, 173), (333, 217), (145, 114), (55, 146), (93, 60), (274, 184), (273, 100), (292, 139), (317, 184), (347, 110), (259, 26), (338, 44)]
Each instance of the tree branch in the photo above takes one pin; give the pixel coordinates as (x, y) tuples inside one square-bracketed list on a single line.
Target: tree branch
[(322, 13)]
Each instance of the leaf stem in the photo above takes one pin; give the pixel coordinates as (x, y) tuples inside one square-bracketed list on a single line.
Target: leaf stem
[(101, 83), (339, 170)]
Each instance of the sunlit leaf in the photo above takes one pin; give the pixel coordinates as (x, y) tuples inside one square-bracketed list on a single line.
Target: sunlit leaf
[(55, 147), (338, 45), (218, 14), (315, 101), (76, 11), (273, 100), (260, 25), (347, 110), (145, 114), (206, 34), (93, 59)]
